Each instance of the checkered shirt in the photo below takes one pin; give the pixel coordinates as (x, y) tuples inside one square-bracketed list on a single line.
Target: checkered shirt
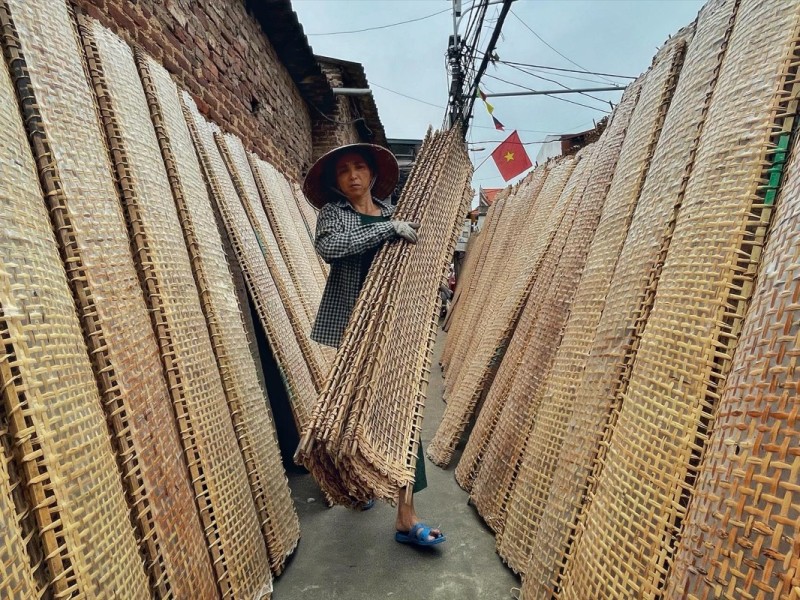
[(341, 239)]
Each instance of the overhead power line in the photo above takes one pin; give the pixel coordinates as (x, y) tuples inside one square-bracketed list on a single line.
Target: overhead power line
[(497, 60), (538, 130), (501, 141), (536, 72), (530, 89), (406, 95), (558, 83), (381, 26), (549, 68), (541, 39)]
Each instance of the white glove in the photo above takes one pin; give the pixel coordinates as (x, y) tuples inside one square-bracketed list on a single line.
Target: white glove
[(406, 230)]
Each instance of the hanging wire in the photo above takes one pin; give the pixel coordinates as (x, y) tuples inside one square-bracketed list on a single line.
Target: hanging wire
[(380, 26), (541, 39), (530, 89), (558, 83)]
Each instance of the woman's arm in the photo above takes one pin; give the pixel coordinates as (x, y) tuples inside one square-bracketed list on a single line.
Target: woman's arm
[(333, 241)]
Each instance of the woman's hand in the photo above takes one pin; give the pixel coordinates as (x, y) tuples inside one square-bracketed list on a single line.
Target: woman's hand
[(406, 230)]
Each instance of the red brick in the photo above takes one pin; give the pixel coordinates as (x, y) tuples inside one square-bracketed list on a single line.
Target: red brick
[(218, 52)]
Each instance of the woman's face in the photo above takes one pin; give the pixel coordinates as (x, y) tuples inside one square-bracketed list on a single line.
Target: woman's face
[(353, 175)]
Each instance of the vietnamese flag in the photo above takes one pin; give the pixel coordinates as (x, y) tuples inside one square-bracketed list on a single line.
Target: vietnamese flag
[(511, 158)]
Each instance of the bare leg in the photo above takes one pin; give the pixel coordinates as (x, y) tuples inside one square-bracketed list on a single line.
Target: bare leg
[(407, 516)]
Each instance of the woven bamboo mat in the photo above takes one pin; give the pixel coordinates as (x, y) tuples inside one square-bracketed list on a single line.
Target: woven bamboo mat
[(461, 337), (528, 237), (500, 430), (17, 579), (307, 212), (295, 220), (500, 458), (468, 281), (520, 231), (22, 575), (291, 199), (297, 249), (309, 220), (740, 536), (462, 283), (51, 416), (516, 209), (563, 206), (309, 216), (93, 237), (278, 200), (255, 430), (467, 285), (226, 505), (260, 283), (686, 347), (490, 287), (297, 297), (363, 442), (554, 397), (292, 296), (655, 211)]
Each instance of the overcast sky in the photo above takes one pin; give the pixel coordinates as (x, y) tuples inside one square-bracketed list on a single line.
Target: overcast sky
[(608, 36)]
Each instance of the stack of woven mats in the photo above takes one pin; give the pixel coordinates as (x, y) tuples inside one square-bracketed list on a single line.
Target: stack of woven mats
[(363, 439)]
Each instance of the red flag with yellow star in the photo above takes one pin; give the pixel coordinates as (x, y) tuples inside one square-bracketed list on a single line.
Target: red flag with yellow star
[(511, 158)]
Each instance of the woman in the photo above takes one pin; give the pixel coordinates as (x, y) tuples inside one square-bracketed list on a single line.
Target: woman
[(346, 185)]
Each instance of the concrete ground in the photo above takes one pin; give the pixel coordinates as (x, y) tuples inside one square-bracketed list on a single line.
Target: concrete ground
[(346, 555)]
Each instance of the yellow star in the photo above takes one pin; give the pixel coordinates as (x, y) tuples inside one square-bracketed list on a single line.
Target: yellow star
[(509, 156)]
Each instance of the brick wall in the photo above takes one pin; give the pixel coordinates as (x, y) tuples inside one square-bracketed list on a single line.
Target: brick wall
[(337, 130), (218, 52)]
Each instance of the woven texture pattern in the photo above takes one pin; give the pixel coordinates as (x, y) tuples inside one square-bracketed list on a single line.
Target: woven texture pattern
[(554, 397), (459, 338), (686, 347), (550, 301), (647, 235), (248, 406), (297, 252), (17, 580), (309, 219), (52, 417), (217, 466), (364, 438), (506, 293), (288, 216), (92, 235), (289, 286), (519, 207), (260, 283), (496, 443), (474, 246), (740, 536), (547, 235)]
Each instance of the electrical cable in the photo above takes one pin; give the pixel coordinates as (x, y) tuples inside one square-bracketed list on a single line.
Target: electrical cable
[(541, 39), (469, 100), (549, 68), (380, 26), (501, 141), (531, 71), (406, 95), (542, 77), (548, 95), (338, 122)]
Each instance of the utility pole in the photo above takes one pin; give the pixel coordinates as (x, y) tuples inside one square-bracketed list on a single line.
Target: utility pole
[(456, 73), (466, 113), (461, 55)]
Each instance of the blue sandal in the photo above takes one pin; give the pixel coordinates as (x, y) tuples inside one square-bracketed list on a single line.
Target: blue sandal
[(418, 535)]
